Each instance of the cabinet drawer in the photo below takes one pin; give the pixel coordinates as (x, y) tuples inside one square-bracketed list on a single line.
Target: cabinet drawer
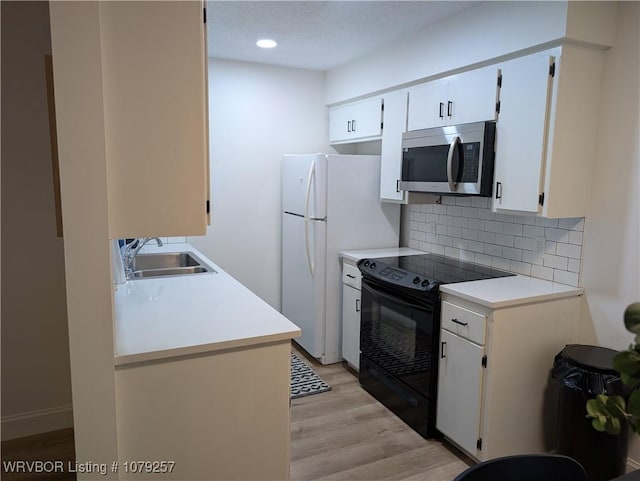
[(465, 323), (351, 276)]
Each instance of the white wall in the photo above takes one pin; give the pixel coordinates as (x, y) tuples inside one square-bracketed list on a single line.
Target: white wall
[(479, 34), (36, 381), (257, 113)]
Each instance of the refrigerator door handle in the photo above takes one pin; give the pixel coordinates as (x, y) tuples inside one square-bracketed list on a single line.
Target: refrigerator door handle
[(310, 177)]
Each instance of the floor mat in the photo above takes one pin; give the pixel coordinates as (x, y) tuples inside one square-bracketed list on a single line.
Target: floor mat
[(304, 381)]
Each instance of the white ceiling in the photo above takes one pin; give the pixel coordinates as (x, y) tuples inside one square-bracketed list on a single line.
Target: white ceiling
[(317, 35)]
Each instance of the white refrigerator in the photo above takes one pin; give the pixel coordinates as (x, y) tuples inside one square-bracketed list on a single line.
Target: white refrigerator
[(330, 203)]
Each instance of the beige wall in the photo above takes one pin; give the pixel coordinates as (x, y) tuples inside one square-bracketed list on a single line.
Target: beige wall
[(36, 387), (611, 257)]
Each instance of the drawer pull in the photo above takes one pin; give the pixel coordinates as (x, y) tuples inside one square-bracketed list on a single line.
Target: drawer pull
[(460, 322), (443, 354), (352, 277)]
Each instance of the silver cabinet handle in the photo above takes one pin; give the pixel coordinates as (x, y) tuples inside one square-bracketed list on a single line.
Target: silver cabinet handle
[(443, 346), (453, 185)]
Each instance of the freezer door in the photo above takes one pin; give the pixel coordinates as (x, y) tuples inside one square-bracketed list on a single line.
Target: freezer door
[(304, 176), (303, 293)]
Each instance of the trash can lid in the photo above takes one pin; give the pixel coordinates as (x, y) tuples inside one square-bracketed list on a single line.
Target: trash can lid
[(590, 357)]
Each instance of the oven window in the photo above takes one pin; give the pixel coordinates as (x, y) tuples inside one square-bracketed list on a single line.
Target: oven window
[(429, 164), (398, 336)]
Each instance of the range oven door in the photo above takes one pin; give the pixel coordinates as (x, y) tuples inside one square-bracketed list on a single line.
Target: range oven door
[(398, 345)]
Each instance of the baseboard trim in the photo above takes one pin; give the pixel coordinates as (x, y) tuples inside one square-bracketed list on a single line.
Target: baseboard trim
[(632, 465), (36, 422)]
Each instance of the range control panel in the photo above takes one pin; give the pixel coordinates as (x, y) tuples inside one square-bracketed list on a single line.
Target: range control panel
[(383, 272)]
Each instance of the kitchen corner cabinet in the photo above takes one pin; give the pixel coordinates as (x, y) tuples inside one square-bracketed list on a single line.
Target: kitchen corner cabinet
[(545, 136), (154, 86), (493, 373), (356, 121), (351, 298), (458, 99)]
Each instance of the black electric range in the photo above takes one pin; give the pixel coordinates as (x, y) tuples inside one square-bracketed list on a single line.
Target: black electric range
[(400, 330)]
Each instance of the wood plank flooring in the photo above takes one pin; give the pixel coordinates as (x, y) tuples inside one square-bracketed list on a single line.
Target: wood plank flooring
[(343, 434)]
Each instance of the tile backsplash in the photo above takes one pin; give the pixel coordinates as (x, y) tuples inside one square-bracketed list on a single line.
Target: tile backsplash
[(465, 228)]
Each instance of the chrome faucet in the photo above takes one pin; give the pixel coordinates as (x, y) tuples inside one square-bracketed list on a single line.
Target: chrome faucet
[(131, 251)]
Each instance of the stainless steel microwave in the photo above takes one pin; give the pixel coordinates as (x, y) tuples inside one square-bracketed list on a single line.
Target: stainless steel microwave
[(453, 160)]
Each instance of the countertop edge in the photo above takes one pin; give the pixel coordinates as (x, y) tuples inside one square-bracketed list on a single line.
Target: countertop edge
[(529, 299)]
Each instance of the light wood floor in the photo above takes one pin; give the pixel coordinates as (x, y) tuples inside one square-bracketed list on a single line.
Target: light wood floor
[(343, 434)]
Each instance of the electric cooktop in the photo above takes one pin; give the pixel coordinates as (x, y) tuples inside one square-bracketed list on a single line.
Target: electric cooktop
[(426, 272)]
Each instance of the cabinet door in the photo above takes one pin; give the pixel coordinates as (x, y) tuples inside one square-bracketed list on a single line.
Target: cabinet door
[(427, 105), (356, 121), (155, 110), (472, 96), (460, 390), (521, 133), (351, 325), (395, 121)]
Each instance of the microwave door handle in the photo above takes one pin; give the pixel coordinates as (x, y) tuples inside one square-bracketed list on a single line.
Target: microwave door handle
[(453, 184)]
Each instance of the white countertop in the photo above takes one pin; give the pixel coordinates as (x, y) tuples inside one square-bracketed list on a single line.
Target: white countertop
[(159, 318), (377, 253), (509, 291)]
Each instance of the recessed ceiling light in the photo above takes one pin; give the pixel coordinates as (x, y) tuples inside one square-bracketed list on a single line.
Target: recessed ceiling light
[(266, 43)]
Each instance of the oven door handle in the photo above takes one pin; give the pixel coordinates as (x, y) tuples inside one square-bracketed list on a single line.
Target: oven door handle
[(455, 145), (396, 297)]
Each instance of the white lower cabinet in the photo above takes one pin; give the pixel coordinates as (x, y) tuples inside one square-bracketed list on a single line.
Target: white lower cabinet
[(351, 278), (493, 375)]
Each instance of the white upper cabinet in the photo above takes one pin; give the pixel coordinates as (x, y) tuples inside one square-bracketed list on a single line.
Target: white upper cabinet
[(356, 121), (395, 121), (458, 99), (546, 130), (154, 69)]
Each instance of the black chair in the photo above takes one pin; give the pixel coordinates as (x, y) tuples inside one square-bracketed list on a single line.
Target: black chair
[(526, 467)]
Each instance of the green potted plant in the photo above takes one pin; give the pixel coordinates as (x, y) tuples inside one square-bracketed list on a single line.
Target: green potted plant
[(607, 413)]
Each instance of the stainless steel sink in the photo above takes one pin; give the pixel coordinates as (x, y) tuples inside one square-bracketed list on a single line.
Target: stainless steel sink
[(167, 265), (163, 261)]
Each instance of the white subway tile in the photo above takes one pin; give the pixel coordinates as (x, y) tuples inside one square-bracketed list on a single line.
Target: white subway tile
[(176, 240), (480, 202), (574, 265), (541, 221), (492, 226), (521, 268), (459, 243), (414, 208), (513, 254), (470, 234), (414, 244), (512, 229), (475, 246), (542, 272), (488, 237), (441, 229), (470, 212), (533, 258), (564, 277), (575, 237), (425, 246), (568, 250), (426, 208), (483, 259), (505, 240), (579, 226), (432, 217), (524, 219), (461, 222), (493, 250), (532, 231), (570, 223), (444, 240), (550, 247), (504, 218), (432, 238), (556, 262), (486, 214), (418, 235), (445, 220), (448, 200), (467, 255), (451, 252), (525, 243), (463, 201), (454, 210), (419, 216), (557, 235), (477, 224), (501, 263), (413, 225), (439, 209), (437, 249), (454, 232)]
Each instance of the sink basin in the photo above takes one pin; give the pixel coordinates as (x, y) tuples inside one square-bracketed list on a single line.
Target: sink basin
[(163, 261), (168, 264)]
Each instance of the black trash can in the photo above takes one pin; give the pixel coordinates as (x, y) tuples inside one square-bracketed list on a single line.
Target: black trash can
[(583, 372)]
